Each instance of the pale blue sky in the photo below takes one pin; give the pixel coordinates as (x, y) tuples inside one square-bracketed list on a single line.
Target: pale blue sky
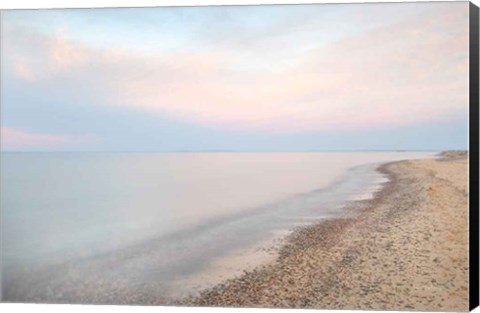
[(260, 78)]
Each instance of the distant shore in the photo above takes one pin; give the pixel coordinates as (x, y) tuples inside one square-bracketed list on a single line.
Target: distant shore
[(407, 249)]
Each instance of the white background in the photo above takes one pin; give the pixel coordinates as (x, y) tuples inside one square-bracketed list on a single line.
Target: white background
[(29, 4)]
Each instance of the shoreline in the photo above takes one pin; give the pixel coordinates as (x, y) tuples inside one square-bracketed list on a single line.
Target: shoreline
[(379, 257), (265, 252)]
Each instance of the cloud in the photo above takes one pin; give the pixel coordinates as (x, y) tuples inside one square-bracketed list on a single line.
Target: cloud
[(24, 72), (409, 72), (14, 139), (64, 54), (402, 74)]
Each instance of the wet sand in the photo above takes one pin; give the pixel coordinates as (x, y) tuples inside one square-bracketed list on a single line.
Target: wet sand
[(406, 249)]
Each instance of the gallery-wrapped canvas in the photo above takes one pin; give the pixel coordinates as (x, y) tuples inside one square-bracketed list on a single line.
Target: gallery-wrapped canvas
[(285, 156)]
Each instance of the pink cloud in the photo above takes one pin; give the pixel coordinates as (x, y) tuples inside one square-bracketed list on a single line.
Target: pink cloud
[(64, 53), (412, 71), (13, 139), (406, 73), (24, 72)]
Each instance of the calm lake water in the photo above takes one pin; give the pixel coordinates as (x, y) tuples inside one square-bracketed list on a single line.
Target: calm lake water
[(113, 227)]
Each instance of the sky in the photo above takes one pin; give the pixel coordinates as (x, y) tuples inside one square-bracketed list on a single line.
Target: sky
[(391, 76)]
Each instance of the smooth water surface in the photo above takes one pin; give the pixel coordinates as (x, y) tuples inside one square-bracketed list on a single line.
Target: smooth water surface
[(113, 227)]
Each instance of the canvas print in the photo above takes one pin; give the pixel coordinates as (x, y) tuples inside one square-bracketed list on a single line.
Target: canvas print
[(285, 156)]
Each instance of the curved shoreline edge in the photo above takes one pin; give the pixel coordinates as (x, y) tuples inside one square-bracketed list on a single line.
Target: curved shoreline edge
[(405, 249)]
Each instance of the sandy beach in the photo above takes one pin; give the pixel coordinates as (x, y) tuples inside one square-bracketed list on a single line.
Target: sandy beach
[(406, 249)]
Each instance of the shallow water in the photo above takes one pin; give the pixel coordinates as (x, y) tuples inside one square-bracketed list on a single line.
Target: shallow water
[(115, 228)]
